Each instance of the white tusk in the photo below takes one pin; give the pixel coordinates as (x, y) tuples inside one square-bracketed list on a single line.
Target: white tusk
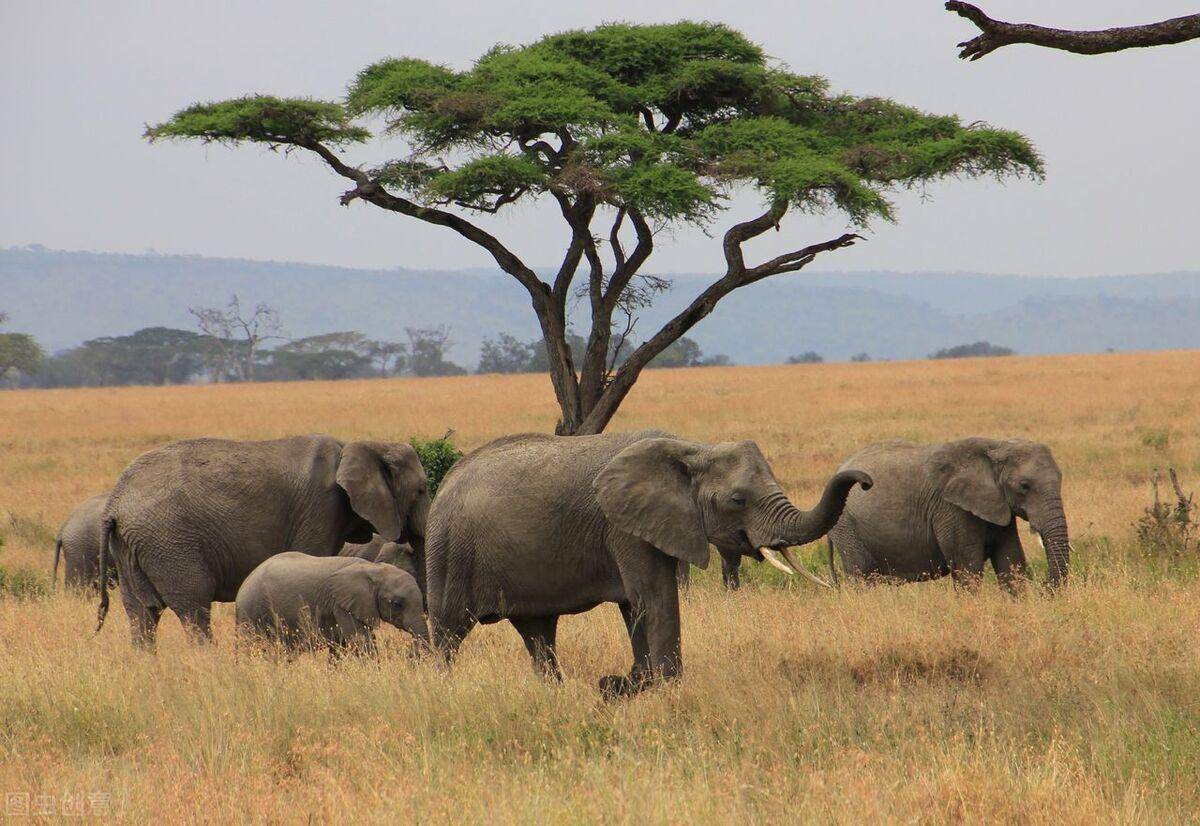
[(770, 557), (804, 572), (1040, 542)]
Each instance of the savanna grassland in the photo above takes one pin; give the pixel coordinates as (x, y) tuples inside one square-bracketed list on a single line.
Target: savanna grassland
[(894, 704)]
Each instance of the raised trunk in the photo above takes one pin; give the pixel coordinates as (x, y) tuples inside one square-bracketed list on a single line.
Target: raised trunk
[(802, 527)]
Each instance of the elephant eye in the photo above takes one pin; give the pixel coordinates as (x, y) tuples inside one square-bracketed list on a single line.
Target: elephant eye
[(397, 604), (738, 498), (1025, 485)]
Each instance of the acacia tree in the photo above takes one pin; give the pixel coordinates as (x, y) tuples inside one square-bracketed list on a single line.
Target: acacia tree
[(997, 33), (627, 130), (237, 335)]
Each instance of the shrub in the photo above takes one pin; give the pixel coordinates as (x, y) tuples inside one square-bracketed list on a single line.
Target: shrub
[(437, 457), (980, 349), (22, 584), (1169, 529)]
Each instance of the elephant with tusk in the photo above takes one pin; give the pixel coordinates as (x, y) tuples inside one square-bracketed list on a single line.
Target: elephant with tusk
[(950, 508), (531, 527)]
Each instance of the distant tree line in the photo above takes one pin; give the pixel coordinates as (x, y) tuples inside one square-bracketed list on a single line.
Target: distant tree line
[(237, 344)]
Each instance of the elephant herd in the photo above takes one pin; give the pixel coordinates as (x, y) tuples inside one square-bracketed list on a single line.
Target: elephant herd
[(318, 541)]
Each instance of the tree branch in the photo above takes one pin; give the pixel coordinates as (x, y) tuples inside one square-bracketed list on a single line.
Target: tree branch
[(997, 33), (792, 261), (370, 191), (738, 234), (627, 269), (606, 406)]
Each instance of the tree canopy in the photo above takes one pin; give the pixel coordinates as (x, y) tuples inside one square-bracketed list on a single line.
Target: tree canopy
[(647, 126)]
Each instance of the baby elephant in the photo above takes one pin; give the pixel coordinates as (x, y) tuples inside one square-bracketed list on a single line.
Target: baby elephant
[(400, 554), (298, 600)]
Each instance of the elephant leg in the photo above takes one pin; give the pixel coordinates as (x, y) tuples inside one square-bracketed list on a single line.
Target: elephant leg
[(196, 618), (683, 574), (349, 636), (188, 588), (649, 578), (143, 606), (538, 634), (963, 543), (447, 634), (731, 572), (857, 562), (143, 623), (637, 639), (1008, 559)]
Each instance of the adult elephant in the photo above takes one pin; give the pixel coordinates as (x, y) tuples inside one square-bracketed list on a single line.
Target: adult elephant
[(949, 508), (531, 527), (78, 545), (187, 522)]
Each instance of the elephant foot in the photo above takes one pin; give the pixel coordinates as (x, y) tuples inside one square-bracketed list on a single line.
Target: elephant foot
[(616, 686)]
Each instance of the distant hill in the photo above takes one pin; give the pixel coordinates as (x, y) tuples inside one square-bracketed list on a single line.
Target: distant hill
[(64, 298)]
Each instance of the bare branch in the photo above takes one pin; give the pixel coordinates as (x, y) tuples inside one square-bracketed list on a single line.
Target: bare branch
[(792, 261), (997, 33), (738, 234), (371, 191)]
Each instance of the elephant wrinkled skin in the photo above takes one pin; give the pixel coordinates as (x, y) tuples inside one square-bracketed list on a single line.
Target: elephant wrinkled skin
[(379, 549), (78, 545), (297, 599), (531, 527), (187, 522), (949, 508)]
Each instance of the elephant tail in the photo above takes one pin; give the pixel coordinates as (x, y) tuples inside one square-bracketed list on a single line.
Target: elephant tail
[(54, 565), (833, 574), (110, 527)]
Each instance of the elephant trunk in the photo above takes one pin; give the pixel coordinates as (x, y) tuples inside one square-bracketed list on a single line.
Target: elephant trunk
[(797, 527), (802, 527), (1054, 537)]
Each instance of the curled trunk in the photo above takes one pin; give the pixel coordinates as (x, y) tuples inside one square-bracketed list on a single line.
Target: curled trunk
[(802, 527)]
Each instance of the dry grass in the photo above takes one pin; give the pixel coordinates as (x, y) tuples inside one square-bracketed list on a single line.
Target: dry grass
[(895, 704)]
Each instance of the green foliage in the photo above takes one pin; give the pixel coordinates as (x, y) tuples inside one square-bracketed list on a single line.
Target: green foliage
[(1169, 529), (437, 457), (22, 583), (980, 349), (489, 176), (262, 119), (19, 354), (662, 119), (1155, 438), (684, 352)]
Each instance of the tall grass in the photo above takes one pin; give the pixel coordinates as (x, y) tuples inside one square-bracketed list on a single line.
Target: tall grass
[(889, 704)]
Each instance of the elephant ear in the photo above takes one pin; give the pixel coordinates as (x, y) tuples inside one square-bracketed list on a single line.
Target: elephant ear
[(353, 589), (383, 481), (969, 482), (646, 490)]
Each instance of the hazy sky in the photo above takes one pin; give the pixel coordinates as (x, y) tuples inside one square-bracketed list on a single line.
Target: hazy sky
[(78, 80)]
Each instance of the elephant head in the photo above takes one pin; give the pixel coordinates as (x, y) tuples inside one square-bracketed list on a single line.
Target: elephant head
[(371, 592), (996, 480), (386, 486), (679, 496)]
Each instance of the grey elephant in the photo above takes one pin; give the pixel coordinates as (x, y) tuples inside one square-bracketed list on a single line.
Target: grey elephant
[(187, 522), (399, 554), (949, 508), (78, 545), (531, 527), (298, 599)]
